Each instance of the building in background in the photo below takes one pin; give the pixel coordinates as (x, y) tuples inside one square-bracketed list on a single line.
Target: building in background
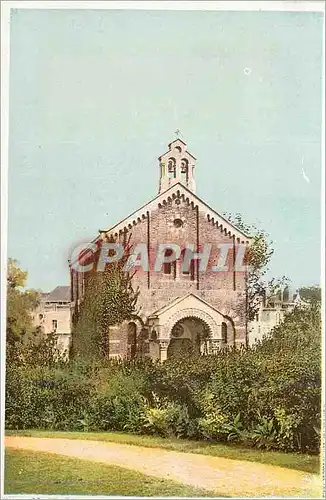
[(53, 316), (271, 313)]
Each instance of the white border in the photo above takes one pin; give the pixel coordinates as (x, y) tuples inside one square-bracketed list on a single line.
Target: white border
[(323, 278), (6, 6), (5, 51), (281, 6)]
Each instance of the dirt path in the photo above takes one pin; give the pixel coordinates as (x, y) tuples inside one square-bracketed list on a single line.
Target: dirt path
[(228, 477)]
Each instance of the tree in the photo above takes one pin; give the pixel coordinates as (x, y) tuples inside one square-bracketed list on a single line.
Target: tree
[(109, 300), (26, 345), (311, 294), (20, 303), (16, 278), (258, 257)]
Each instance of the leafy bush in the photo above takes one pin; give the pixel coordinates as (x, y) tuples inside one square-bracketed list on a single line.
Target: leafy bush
[(264, 434), (118, 404), (287, 429), (169, 419), (236, 430), (212, 426)]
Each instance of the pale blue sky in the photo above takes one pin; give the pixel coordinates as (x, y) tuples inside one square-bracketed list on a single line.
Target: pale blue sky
[(95, 97)]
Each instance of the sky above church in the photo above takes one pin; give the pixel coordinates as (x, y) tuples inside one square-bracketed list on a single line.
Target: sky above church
[(96, 96)]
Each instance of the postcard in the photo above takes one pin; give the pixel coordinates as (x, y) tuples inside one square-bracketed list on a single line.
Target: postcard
[(163, 179)]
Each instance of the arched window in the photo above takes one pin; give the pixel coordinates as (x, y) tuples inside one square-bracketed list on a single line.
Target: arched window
[(172, 168), (187, 265), (224, 333), (169, 267), (184, 170), (132, 340)]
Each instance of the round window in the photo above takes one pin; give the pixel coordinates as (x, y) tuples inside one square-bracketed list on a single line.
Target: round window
[(178, 223)]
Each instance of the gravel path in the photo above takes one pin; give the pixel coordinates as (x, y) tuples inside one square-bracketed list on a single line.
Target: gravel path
[(228, 477)]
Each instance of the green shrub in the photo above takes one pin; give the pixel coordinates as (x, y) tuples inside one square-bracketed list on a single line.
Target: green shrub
[(212, 426), (264, 435), (118, 403), (236, 431), (287, 430), (169, 419)]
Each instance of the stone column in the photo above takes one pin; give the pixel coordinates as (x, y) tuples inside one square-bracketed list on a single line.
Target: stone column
[(215, 346), (164, 344), (154, 350)]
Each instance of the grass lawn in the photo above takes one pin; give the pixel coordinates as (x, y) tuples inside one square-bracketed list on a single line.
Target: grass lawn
[(43, 473), (306, 463)]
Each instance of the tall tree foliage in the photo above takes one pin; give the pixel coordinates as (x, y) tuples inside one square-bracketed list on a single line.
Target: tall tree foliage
[(20, 303), (311, 294), (25, 344), (257, 259), (109, 299)]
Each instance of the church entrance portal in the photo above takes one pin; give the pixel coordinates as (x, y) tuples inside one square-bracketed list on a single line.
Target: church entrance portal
[(189, 335)]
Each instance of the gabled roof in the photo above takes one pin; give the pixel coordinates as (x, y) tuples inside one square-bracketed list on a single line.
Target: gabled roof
[(176, 140), (168, 306), (178, 190), (59, 294), (171, 304), (169, 151), (186, 152)]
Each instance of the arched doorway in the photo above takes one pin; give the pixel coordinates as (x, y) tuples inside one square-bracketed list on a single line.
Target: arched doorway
[(189, 336)]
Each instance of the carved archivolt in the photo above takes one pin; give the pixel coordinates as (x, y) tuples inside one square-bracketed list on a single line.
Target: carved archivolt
[(191, 313)]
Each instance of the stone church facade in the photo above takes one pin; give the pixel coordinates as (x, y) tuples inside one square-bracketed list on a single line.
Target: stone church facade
[(178, 307)]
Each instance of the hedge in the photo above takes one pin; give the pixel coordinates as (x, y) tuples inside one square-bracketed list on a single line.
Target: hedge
[(267, 396)]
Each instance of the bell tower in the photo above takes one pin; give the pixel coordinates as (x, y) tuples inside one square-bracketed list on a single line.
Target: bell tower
[(177, 165)]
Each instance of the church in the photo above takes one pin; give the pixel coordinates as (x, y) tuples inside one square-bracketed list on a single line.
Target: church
[(177, 306)]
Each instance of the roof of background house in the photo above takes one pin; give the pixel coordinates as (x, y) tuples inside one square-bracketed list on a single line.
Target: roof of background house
[(59, 294)]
